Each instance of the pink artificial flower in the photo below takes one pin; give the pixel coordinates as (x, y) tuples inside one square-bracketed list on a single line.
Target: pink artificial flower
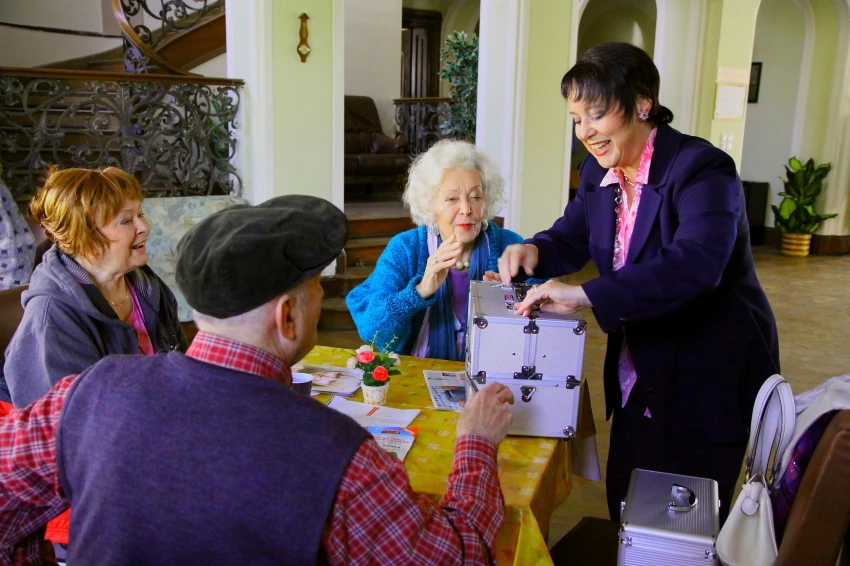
[(366, 356), (380, 373), (351, 363), (363, 348)]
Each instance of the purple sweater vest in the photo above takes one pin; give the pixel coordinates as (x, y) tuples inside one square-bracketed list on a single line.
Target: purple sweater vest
[(169, 460)]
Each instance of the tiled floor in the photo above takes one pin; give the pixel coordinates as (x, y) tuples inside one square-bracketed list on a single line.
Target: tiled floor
[(809, 299)]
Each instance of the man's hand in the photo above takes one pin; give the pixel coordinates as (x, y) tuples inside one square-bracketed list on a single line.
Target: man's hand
[(486, 414), (514, 257)]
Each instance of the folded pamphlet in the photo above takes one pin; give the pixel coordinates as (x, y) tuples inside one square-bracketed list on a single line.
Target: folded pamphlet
[(373, 415), (446, 388), (395, 440)]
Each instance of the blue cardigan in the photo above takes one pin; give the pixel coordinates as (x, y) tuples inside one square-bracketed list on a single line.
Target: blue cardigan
[(387, 301)]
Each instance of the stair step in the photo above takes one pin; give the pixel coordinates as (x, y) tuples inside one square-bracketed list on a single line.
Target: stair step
[(365, 251), (335, 315), (359, 227), (342, 283)]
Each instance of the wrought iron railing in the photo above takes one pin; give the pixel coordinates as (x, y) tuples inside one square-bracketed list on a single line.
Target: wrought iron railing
[(418, 121), (149, 24), (176, 137)]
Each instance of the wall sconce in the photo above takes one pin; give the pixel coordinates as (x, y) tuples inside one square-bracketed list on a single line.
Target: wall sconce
[(303, 46)]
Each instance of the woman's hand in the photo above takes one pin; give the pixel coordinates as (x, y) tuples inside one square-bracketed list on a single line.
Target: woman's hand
[(437, 266), (554, 297), (514, 257)]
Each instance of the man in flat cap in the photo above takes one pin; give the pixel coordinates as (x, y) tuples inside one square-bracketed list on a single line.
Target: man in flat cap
[(208, 457)]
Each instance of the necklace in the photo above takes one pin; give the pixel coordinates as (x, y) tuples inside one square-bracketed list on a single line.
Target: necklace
[(626, 179), (119, 303), (618, 201), (459, 265)]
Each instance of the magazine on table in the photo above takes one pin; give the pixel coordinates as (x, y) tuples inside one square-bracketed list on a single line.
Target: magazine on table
[(446, 388), (332, 379), (394, 439), (373, 415)]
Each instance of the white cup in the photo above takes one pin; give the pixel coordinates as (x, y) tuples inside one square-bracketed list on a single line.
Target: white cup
[(302, 383)]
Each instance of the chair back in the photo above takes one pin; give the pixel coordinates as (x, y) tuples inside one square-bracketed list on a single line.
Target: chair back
[(820, 515), (11, 313)]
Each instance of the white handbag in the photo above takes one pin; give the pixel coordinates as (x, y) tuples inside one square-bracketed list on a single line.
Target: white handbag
[(748, 538)]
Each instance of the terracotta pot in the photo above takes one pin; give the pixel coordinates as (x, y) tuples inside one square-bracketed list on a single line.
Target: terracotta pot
[(375, 394), (796, 244)]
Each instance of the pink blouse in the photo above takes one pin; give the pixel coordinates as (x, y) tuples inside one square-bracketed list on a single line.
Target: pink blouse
[(626, 224), (137, 321)]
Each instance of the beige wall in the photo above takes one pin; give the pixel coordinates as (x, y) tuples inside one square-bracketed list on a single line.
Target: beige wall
[(708, 70), (303, 99), (734, 55)]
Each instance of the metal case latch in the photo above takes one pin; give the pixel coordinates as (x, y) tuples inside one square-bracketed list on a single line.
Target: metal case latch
[(572, 382), (531, 327), (480, 321), (580, 327), (528, 372), (527, 391)]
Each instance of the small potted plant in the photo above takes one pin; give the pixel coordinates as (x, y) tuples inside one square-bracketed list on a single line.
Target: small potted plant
[(377, 368), (795, 216)]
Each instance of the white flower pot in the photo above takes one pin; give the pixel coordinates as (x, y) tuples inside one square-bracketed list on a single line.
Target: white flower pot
[(375, 394)]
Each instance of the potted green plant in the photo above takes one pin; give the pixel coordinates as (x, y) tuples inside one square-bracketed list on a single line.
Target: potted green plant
[(460, 69), (795, 216)]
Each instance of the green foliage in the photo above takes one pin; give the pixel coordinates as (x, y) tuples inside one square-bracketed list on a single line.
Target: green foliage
[(460, 68), (796, 213)]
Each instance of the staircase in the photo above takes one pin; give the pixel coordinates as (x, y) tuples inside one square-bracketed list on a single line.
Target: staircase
[(367, 238)]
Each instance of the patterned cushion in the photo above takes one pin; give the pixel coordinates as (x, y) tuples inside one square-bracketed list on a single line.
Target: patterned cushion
[(170, 218)]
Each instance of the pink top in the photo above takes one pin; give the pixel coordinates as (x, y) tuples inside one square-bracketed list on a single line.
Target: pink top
[(137, 321), (627, 215)]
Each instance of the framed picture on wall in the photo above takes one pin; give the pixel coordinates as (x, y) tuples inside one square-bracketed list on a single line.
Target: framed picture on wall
[(755, 81)]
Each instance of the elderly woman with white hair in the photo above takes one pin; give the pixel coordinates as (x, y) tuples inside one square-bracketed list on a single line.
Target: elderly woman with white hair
[(419, 290)]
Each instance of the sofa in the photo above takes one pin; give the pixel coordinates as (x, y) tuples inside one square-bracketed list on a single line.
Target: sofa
[(371, 157)]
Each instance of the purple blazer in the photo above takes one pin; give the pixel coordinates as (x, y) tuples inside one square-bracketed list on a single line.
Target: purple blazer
[(700, 330)]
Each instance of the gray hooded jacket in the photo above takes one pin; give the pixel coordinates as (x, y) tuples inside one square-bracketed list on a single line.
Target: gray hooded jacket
[(68, 325)]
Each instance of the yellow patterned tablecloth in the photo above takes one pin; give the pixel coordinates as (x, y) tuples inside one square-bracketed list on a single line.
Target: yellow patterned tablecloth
[(533, 472)]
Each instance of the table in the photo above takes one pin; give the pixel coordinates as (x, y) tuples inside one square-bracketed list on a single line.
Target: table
[(533, 472)]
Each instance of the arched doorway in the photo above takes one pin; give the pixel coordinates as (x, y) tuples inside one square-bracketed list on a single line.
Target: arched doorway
[(782, 53)]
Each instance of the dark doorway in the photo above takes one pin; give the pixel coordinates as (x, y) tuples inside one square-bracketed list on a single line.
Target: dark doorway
[(420, 47)]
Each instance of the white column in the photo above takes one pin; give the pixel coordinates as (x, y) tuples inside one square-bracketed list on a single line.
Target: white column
[(501, 86), (679, 41), (249, 57)]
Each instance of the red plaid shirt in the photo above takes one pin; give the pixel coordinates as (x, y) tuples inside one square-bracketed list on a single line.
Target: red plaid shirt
[(376, 518)]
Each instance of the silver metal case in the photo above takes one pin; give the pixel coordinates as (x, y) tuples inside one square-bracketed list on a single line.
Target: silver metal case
[(538, 357), (669, 519)]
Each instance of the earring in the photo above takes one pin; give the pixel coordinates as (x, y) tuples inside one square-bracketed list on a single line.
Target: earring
[(435, 229), (643, 115), (484, 224)]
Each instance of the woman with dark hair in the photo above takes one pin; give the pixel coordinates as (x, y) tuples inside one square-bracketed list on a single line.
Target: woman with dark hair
[(691, 336)]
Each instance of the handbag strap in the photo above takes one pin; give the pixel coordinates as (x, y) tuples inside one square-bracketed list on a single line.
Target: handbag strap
[(771, 428)]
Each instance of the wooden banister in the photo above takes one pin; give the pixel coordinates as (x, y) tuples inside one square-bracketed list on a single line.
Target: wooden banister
[(70, 74), (133, 37)]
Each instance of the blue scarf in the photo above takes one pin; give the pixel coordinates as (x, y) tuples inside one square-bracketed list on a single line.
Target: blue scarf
[(442, 342)]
